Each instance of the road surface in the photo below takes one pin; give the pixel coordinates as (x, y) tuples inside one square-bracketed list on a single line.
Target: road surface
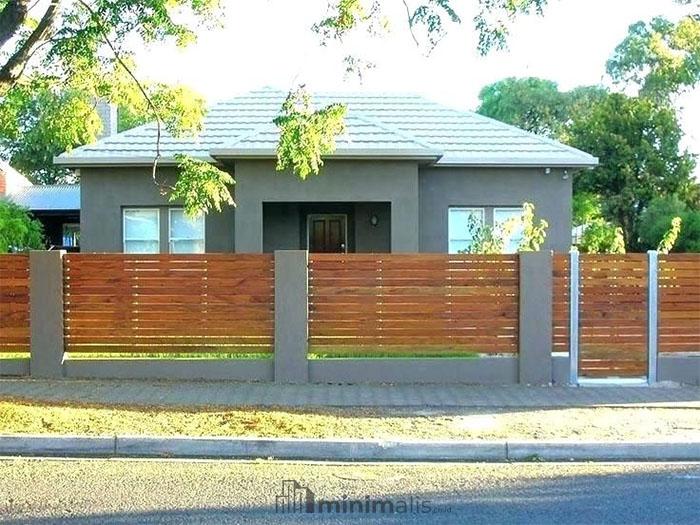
[(172, 491)]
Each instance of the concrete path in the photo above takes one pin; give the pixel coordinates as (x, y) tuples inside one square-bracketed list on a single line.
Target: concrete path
[(191, 393)]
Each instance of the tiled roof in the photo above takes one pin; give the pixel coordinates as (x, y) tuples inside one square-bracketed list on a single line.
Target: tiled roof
[(50, 197), (381, 125)]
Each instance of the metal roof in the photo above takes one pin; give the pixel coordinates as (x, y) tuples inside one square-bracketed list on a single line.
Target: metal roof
[(378, 125), (50, 197)]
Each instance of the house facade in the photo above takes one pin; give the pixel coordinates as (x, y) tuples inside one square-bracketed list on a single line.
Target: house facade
[(408, 175)]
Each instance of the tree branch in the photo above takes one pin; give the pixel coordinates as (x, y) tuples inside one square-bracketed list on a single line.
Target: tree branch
[(12, 17), (159, 123), (409, 18), (14, 66)]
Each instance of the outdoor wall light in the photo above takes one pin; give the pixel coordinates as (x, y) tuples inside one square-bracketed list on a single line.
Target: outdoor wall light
[(374, 220)]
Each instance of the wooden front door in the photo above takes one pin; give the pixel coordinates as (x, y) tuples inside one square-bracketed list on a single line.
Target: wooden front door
[(327, 233)]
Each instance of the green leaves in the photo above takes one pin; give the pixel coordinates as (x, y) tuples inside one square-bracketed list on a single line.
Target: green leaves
[(18, 230), (307, 134), (638, 143), (201, 186), (662, 58), (534, 232)]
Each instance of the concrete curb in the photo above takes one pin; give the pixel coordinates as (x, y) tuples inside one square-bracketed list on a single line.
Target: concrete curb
[(344, 450)]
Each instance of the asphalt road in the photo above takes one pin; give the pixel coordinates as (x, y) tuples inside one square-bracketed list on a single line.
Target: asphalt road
[(125, 491)]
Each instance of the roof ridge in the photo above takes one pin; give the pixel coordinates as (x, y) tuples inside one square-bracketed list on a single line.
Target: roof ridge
[(401, 133)]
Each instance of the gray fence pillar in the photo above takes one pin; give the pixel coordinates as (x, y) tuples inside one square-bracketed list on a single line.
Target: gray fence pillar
[(46, 313), (291, 316), (535, 338)]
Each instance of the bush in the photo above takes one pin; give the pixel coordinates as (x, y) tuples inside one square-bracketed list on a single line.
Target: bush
[(19, 231), (656, 220)]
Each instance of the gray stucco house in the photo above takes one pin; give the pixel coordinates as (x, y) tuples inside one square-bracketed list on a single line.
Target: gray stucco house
[(405, 177)]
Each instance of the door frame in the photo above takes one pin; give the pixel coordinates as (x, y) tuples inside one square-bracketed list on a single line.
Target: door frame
[(310, 216)]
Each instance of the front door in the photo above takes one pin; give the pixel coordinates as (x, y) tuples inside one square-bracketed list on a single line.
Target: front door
[(327, 233)]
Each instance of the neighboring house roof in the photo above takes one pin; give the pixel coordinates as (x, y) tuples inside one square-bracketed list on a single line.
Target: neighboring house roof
[(50, 197), (11, 179), (378, 125)]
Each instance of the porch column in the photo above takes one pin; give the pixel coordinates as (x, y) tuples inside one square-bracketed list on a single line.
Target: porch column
[(249, 226), (404, 225)]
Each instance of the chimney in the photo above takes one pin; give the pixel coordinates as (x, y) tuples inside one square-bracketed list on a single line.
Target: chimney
[(108, 114)]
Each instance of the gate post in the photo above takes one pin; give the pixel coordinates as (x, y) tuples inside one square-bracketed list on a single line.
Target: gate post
[(573, 316), (535, 319), (46, 313), (291, 316), (652, 314)]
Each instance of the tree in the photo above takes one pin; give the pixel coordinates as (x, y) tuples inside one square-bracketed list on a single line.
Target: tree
[(638, 143), (535, 104), (19, 231), (661, 58), (657, 217), (63, 55)]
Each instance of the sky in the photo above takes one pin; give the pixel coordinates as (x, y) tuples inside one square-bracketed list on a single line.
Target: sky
[(269, 43)]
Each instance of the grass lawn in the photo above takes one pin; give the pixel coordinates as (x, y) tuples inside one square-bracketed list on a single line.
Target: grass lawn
[(20, 416)]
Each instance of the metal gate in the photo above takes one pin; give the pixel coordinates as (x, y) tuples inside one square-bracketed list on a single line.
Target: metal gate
[(613, 318)]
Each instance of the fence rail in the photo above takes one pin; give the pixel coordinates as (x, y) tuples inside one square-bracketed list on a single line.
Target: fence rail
[(14, 303), (168, 303), (679, 303), (457, 303)]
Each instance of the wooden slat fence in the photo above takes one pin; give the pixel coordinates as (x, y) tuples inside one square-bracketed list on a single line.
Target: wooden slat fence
[(426, 302), (560, 303), (679, 303), (14, 303), (169, 303), (613, 315)]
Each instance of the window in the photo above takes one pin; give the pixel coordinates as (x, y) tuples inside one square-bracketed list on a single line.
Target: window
[(141, 230), (186, 234), (71, 235), (500, 217), (459, 236)]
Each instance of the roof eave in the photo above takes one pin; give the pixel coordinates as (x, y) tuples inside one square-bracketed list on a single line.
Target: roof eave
[(519, 163), (339, 154), (82, 162)]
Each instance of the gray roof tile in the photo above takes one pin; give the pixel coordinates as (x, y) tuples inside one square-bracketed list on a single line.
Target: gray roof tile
[(377, 125)]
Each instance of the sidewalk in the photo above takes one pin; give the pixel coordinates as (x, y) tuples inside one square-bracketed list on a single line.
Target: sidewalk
[(231, 394)]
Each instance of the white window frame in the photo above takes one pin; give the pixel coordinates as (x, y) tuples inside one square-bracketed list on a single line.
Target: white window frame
[(508, 209), (479, 210), (170, 238), (127, 209)]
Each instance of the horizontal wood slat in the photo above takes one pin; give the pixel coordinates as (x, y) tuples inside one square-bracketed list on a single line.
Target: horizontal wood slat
[(560, 302), (14, 303), (679, 303), (612, 315), (422, 301), (168, 303)]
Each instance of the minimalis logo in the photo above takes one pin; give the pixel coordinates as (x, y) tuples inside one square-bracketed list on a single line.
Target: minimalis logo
[(296, 498)]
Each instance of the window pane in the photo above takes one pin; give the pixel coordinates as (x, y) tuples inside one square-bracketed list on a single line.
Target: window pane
[(182, 227), (141, 247), (186, 235), (187, 246), (459, 246), (141, 225), (459, 220), (502, 216)]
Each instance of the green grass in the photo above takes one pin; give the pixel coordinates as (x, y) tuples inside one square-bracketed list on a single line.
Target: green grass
[(173, 355), (383, 352)]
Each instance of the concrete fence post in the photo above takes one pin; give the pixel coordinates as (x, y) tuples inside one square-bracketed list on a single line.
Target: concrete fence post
[(291, 316), (535, 337), (46, 313), (652, 314)]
